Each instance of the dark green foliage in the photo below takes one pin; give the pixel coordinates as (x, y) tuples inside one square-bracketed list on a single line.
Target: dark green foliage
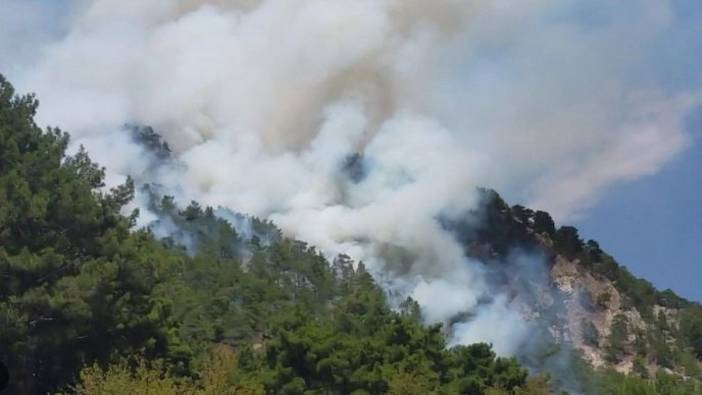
[(608, 381), (691, 328), (618, 339), (543, 223), (639, 367), (591, 336), (76, 282), (668, 298), (80, 288), (491, 234), (501, 229), (641, 346), (44, 202), (495, 215), (662, 322), (661, 351), (150, 140), (363, 345), (594, 253), (496, 226), (567, 241)]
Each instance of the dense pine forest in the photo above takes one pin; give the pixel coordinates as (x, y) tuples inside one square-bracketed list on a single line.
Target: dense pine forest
[(90, 304)]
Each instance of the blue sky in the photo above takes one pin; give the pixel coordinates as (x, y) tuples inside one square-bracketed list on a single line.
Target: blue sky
[(654, 225)]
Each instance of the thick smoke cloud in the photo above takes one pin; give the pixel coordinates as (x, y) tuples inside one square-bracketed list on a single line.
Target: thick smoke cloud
[(265, 102)]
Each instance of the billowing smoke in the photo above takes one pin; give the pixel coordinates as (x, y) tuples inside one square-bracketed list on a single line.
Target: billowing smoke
[(355, 124)]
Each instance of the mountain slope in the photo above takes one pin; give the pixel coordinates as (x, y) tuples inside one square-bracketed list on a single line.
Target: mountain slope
[(615, 319), (88, 305), (209, 301)]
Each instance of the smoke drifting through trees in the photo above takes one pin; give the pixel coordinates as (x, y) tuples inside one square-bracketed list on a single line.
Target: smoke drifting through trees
[(263, 102)]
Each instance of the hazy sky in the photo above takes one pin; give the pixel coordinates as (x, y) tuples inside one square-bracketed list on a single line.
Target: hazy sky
[(654, 225), (650, 223)]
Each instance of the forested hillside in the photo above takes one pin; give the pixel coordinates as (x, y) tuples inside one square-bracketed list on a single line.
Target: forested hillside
[(81, 290), (589, 304), (91, 305)]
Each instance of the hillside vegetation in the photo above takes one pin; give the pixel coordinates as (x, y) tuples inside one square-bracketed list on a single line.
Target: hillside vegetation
[(90, 305), (592, 305), (82, 290)]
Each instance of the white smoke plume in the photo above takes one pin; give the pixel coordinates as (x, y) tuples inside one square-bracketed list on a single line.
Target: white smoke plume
[(265, 101)]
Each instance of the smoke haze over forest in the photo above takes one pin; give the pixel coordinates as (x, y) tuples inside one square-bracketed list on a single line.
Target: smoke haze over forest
[(265, 103)]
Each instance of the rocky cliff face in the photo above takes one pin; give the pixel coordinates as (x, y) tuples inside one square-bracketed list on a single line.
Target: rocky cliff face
[(581, 296)]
